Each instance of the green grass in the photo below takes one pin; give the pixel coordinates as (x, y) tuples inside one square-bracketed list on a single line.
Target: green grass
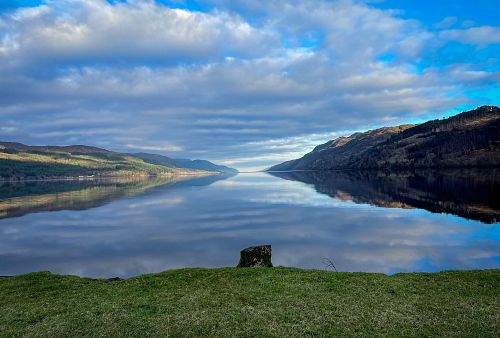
[(253, 302)]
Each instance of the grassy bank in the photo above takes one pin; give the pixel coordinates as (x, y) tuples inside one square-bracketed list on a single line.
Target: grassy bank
[(253, 302)]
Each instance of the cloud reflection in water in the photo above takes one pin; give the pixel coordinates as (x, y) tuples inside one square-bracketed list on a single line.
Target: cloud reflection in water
[(205, 224)]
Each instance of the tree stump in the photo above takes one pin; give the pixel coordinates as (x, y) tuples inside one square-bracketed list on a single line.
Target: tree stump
[(256, 256)]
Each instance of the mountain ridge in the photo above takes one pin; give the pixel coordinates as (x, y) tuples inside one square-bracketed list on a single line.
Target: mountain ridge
[(184, 163), (20, 162), (468, 139)]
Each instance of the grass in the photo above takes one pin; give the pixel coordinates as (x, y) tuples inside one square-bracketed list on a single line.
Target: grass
[(253, 302)]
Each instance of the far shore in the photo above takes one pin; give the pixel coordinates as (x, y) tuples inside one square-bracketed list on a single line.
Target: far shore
[(105, 177)]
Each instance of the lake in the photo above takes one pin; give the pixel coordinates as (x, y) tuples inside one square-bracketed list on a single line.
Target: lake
[(361, 221)]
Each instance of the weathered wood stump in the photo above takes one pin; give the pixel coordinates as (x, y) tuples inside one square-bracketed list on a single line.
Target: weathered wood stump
[(256, 256)]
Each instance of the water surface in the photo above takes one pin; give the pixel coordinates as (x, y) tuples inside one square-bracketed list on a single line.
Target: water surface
[(370, 221)]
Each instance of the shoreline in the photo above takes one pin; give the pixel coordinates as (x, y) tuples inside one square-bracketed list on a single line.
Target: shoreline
[(179, 270), (390, 169), (103, 177)]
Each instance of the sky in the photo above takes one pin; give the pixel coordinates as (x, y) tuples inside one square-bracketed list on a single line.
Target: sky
[(246, 83)]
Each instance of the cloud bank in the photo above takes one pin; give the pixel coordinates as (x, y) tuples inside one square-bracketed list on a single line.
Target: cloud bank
[(244, 83)]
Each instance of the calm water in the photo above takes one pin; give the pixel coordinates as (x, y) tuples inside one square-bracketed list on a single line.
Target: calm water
[(381, 222)]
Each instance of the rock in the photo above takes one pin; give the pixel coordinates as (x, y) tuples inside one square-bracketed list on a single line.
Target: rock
[(115, 279), (256, 256)]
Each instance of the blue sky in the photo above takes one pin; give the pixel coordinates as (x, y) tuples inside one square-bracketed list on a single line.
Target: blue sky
[(245, 83)]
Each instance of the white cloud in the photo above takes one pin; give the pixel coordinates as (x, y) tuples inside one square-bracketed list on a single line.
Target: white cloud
[(482, 35), (161, 148), (72, 31), (139, 75), (447, 22)]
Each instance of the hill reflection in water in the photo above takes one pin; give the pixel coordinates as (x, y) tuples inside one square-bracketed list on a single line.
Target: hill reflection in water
[(22, 198), (108, 229), (470, 193)]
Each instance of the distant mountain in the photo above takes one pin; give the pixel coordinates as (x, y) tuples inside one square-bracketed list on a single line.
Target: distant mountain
[(184, 163), (156, 159), (19, 161), (469, 139), (204, 165)]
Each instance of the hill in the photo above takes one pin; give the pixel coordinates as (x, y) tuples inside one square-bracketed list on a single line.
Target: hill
[(469, 139), (184, 163), (19, 161)]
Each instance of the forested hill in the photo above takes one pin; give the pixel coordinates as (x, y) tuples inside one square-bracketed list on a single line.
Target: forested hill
[(469, 139), (19, 161), (184, 163)]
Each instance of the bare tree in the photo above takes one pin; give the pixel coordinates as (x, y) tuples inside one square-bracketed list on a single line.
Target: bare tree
[(329, 263)]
